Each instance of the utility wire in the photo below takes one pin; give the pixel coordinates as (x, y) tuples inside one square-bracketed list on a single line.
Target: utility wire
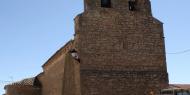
[(180, 52), (4, 81)]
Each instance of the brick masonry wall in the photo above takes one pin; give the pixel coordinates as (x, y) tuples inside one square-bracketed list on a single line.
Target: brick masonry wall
[(122, 52)]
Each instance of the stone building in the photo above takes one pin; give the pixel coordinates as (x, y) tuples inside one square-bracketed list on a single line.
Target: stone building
[(121, 50)]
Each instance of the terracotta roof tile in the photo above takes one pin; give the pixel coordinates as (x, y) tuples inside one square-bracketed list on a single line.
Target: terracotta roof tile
[(181, 86), (28, 81)]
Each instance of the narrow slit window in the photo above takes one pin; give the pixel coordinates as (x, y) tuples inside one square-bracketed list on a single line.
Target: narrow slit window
[(132, 5), (106, 3)]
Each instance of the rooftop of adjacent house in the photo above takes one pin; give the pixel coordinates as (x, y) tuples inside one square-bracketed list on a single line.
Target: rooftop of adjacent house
[(179, 86), (26, 82)]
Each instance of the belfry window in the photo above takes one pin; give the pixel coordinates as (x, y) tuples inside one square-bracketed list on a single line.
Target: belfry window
[(106, 3), (131, 5)]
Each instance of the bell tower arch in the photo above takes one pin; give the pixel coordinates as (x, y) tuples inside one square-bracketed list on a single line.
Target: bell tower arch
[(143, 6)]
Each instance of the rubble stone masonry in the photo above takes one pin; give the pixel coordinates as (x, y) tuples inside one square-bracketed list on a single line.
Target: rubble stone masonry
[(122, 52)]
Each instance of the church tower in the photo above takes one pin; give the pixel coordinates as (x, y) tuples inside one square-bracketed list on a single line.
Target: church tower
[(121, 48)]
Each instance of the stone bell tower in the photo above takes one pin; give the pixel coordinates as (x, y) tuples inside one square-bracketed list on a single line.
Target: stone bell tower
[(121, 47)]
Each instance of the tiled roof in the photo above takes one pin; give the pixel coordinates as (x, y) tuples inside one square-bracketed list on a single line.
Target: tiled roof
[(28, 81), (181, 86)]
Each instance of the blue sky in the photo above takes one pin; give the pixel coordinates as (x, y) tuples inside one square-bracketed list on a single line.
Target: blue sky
[(32, 30)]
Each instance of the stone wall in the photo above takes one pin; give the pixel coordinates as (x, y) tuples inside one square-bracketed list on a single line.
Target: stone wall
[(53, 75), (62, 75), (52, 79), (71, 82), (122, 52), (121, 38), (22, 90), (58, 55), (142, 6)]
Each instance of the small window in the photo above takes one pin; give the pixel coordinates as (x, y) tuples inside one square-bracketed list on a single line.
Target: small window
[(131, 5), (106, 3)]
